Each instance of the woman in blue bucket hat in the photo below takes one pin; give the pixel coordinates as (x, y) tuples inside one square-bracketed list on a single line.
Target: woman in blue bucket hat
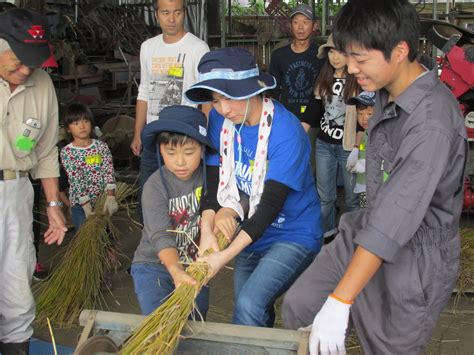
[(261, 179)]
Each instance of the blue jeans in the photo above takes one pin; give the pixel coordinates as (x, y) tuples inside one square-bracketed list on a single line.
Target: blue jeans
[(148, 165), (260, 278), (78, 216), (330, 158), (153, 284)]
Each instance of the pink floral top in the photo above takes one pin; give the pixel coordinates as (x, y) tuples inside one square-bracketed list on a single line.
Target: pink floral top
[(89, 170)]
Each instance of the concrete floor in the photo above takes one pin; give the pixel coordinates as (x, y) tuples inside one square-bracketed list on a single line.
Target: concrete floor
[(454, 334)]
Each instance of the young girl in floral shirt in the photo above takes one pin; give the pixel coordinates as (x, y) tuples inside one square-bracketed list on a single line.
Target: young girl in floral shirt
[(88, 164)]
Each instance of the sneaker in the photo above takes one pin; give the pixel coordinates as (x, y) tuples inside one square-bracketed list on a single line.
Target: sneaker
[(40, 272)]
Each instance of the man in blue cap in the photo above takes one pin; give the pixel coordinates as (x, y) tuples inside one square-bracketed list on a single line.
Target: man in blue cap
[(29, 131)]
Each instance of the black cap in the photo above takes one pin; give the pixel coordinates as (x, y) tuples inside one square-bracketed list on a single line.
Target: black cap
[(27, 33), (303, 9)]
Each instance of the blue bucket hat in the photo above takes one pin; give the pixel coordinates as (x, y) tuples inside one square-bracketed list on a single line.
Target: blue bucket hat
[(366, 98), (179, 119), (231, 72)]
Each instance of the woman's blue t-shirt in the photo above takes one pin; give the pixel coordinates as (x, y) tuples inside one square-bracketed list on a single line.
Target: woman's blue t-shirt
[(288, 162)]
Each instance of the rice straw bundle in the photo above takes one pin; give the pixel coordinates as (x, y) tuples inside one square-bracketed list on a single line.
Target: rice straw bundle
[(159, 332), (466, 267), (75, 283)]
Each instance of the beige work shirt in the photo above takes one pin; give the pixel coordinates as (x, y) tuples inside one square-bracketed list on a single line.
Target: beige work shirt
[(29, 126)]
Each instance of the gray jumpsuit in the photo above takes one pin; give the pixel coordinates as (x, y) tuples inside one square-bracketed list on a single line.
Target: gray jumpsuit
[(416, 158)]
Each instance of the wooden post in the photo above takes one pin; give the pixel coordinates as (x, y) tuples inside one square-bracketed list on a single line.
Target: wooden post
[(87, 328)]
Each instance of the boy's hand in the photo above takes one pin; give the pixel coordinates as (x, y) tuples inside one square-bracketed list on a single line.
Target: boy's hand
[(110, 205), (87, 207), (180, 276), (328, 331), (225, 222), (216, 262), (352, 159), (208, 240)]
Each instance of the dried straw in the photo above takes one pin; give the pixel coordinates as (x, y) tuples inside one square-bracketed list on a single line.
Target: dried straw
[(466, 267), (159, 332), (75, 284)]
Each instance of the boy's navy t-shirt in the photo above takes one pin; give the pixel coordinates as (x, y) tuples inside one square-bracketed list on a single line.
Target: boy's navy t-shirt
[(288, 163)]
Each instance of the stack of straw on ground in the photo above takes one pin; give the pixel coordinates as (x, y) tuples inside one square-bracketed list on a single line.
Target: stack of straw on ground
[(159, 332), (466, 268), (75, 284)]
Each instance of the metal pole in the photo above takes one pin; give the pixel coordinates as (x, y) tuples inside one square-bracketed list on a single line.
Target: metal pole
[(76, 10), (324, 17), (229, 10), (223, 24), (434, 50), (447, 11)]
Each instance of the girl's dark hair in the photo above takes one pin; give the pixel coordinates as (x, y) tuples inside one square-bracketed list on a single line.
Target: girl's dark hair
[(75, 112), (325, 80), (174, 139), (378, 24)]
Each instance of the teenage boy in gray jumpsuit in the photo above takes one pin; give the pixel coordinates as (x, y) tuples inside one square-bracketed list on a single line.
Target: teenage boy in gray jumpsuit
[(393, 266)]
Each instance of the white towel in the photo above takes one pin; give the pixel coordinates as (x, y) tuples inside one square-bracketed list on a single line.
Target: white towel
[(227, 192)]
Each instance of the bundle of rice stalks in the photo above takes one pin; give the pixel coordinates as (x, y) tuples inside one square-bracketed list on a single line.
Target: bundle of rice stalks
[(159, 332), (75, 284), (466, 268)]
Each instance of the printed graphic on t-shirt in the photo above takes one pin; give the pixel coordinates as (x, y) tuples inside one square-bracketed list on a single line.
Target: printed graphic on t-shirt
[(166, 82), (244, 169), (279, 221), (243, 174), (332, 123), (298, 80), (185, 217), (94, 159)]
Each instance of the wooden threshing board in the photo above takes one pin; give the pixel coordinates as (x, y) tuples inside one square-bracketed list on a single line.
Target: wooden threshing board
[(208, 337)]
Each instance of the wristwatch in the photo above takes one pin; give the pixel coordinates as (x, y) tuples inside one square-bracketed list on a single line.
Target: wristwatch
[(55, 204)]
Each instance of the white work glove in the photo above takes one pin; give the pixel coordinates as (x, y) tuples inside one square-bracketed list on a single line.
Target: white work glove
[(359, 167), (87, 207), (352, 158), (110, 205), (329, 329)]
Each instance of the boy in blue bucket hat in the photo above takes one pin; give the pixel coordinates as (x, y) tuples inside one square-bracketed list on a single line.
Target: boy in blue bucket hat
[(364, 103), (261, 177), (171, 199)]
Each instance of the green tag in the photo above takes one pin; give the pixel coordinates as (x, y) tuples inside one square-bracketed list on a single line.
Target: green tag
[(25, 144), (385, 176)]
